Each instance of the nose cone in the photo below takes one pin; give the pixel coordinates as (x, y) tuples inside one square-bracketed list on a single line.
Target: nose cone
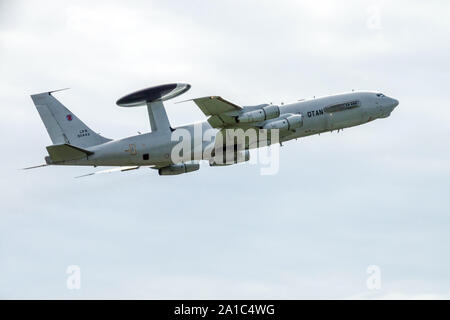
[(391, 103), (387, 106), (395, 102)]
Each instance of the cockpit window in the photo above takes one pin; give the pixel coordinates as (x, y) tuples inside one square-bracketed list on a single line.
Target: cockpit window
[(380, 95)]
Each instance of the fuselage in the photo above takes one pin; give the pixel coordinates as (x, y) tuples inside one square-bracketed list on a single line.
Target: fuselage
[(319, 115)]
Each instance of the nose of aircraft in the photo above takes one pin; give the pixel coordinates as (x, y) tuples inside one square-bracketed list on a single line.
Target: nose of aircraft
[(394, 102), (388, 106)]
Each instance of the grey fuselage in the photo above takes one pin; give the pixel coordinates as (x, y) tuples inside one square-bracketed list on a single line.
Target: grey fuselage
[(154, 148)]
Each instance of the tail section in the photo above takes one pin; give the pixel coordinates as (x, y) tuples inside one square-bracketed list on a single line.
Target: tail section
[(62, 125)]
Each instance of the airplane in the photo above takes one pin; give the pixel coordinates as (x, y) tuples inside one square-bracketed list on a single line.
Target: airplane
[(74, 143)]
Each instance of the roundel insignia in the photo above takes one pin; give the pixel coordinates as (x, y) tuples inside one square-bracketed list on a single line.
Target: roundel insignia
[(69, 117)]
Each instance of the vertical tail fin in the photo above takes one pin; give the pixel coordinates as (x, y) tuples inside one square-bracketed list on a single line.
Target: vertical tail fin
[(62, 125)]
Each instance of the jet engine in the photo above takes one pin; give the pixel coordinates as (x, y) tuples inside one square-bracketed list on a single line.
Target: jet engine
[(289, 123), (227, 159), (266, 113), (178, 169)]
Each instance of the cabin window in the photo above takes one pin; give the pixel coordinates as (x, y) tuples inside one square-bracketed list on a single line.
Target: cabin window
[(145, 156)]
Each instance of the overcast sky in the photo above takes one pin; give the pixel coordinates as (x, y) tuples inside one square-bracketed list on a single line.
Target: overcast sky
[(377, 194)]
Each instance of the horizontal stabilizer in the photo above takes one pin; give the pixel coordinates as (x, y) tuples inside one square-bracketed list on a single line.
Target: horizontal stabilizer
[(67, 152)]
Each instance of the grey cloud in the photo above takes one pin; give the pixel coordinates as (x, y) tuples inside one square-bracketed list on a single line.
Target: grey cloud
[(375, 194)]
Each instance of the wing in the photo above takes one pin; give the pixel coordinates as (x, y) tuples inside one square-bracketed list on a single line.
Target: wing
[(119, 169), (220, 111), (215, 105)]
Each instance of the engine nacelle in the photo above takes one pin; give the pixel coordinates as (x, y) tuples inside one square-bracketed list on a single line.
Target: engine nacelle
[(266, 113), (233, 158), (178, 169), (289, 123)]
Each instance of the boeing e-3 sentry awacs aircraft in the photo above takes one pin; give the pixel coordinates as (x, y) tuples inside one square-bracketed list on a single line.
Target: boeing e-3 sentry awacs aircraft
[(74, 143)]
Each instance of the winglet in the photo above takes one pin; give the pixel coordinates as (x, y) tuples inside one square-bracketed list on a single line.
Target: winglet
[(34, 167), (50, 92), (183, 101)]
